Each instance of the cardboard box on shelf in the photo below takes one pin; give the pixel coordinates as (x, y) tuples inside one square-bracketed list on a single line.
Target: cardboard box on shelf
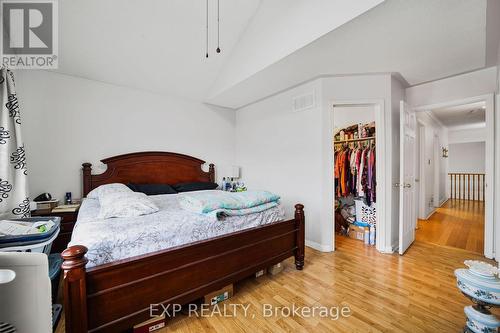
[(356, 232), (47, 205), (66, 208), (218, 295)]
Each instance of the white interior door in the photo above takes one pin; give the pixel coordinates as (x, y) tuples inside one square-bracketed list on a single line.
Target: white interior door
[(407, 212)]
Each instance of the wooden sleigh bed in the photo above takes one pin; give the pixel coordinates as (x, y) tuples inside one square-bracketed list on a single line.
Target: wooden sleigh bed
[(115, 296)]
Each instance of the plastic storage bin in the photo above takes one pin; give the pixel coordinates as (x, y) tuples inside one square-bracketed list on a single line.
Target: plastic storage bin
[(32, 243)]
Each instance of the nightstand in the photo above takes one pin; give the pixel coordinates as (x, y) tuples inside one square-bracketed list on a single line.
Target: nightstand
[(68, 220)]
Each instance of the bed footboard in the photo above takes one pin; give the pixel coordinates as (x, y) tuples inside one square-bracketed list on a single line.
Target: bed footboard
[(74, 288), (115, 296), (300, 237)]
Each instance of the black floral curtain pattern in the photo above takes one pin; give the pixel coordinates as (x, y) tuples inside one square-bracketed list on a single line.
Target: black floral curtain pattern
[(14, 201)]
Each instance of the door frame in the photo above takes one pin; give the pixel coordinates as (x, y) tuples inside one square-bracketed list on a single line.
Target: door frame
[(421, 174), (489, 219), (383, 239), (437, 144), (496, 181)]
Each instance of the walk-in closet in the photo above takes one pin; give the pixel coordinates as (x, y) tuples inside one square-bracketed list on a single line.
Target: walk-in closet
[(355, 173)]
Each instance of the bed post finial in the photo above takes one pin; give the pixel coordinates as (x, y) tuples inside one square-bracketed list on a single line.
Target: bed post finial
[(300, 240), (87, 176), (211, 170), (75, 290)]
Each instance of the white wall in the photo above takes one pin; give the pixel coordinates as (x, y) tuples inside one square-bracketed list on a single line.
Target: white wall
[(298, 164), (467, 157), (492, 32), (454, 88), (443, 169), (427, 164), (69, 120), (467, 135), (434, 166), (346, 116), (281, 151), (498, 55)]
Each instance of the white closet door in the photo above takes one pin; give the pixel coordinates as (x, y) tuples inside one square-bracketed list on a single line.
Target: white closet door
[(407, 212)]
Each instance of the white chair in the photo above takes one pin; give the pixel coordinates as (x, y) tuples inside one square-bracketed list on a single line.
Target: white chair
[(25, 292)]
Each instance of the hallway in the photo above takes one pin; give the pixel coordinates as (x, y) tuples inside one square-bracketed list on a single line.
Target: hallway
[(457, 223)]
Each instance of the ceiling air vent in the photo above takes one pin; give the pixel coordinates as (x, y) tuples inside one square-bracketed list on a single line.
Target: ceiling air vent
[(303, 102)]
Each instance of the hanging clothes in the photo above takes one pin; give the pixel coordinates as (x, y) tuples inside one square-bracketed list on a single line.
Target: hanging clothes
[(361, 169), (354, 172), (372, 183), (359, 153), (344, 173)]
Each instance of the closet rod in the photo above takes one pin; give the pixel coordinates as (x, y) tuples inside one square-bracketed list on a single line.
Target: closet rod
[(354, 140)]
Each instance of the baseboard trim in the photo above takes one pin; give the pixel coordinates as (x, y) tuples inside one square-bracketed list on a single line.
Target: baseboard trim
[(318, 246), (443, 201), (389, 249), (430, 214)]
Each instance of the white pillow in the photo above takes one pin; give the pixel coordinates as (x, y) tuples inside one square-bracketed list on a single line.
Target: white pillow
[(104, 190), (126, 204)]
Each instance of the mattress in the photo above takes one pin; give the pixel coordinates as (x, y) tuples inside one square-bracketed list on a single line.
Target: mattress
[(114, 239)]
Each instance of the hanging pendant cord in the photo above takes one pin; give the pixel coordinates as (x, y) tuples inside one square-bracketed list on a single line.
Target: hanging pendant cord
[(218, 28), (206, 55)]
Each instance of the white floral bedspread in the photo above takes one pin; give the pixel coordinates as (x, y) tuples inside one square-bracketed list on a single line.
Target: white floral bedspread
[(120, 238)]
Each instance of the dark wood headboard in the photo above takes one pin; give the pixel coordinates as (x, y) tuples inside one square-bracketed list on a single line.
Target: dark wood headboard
[(153, 167)]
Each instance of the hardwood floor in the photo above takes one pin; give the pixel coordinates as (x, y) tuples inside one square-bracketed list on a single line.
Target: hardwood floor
[(458, 223), (385, 293)]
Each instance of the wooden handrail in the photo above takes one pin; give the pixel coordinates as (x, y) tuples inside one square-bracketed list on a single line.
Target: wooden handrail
[(467, 186), (465, 173)]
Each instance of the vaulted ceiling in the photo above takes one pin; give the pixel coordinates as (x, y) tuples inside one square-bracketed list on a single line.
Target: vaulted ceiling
[(155, 45), (268, 45), (159, 45), (423, 40)]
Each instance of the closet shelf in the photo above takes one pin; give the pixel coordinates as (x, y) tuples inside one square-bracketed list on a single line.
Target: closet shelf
[(354, 140)]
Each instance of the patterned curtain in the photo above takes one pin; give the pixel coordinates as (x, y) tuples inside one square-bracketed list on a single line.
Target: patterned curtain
[(14, 201)]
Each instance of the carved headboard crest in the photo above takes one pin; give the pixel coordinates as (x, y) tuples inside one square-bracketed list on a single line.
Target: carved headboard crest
[(153, 167)]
